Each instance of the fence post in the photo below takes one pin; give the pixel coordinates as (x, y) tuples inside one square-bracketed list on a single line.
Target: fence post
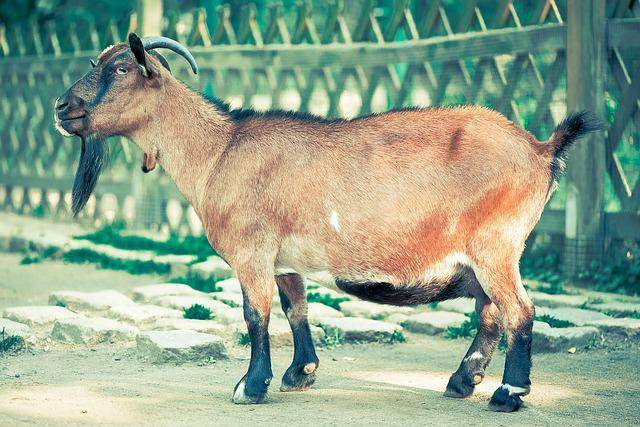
[(145, 189), (586, 59)]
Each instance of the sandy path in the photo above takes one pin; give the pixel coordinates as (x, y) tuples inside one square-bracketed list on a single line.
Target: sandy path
[(357, 384)]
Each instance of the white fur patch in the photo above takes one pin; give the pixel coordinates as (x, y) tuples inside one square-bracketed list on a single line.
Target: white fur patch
[(513, 389), (475, 355), (284, 270), (334, 221)]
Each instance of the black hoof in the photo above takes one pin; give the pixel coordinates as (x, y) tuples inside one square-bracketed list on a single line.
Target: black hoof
[(246, 393), (299, 377), (504, 401), (459, 386)]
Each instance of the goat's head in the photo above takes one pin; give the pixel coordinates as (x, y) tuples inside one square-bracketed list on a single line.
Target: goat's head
[(121, 92)]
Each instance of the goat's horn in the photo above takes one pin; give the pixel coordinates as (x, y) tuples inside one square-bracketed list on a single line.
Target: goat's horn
[(167, 43)]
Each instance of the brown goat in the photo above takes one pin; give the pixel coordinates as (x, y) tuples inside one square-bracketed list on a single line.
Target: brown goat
[(405, 207)]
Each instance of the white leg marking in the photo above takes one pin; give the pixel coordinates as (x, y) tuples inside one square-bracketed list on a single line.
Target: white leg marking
[(513, 389), (475, 355), (333, 220)]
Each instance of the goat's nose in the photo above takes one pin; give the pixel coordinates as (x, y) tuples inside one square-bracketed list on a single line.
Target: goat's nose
[(69, 101)]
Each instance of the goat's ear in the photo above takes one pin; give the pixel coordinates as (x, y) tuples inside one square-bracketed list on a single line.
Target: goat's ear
[(136, 46)]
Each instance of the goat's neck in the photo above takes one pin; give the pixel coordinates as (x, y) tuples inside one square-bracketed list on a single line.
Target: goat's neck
[(188, 134)]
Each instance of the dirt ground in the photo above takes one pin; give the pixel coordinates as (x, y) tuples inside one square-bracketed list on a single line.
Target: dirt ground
[(371, 384)]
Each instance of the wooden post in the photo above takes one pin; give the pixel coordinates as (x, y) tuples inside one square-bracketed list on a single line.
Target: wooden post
[(145, 188), (586, 58)]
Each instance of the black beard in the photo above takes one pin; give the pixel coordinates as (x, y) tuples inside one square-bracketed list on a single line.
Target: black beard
[(93, 157)]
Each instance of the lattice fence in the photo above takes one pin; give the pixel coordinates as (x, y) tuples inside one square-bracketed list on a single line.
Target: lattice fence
[(509, 55)]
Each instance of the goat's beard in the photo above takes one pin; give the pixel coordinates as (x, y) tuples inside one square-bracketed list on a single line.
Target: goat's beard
[(93, 157)]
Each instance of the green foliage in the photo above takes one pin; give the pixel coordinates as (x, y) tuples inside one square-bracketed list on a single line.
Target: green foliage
[(544, 263), (242, 338), (81, 256), (197, 311), (174, 245), (197, 282), (467, 329), (397, 337), (326, 299), (619, 273), (553, 322), (10, 343), (332, 337), (34, 256)]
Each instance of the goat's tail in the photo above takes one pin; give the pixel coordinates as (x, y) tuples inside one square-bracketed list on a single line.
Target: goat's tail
[(573, 127)]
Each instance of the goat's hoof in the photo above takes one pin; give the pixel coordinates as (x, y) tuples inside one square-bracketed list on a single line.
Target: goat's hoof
[(505, 401), (299, 377), (459, 386), (243, 396)]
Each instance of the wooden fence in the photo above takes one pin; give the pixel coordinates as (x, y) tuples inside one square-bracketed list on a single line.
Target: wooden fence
[(421, 52)]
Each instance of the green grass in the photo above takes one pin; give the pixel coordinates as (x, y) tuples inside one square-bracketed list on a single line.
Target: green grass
[(242, 338), (397, 337), (332, 338), (553, 322), (467, 329), (34, 256), (198, 312), (174, 245), (10, 343), (197, 282), (82, 256), (326, 299)]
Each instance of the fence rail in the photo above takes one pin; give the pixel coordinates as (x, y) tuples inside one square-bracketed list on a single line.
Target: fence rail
[(330, 63)]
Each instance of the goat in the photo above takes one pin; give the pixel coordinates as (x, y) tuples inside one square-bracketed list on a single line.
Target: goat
[(406, 207)]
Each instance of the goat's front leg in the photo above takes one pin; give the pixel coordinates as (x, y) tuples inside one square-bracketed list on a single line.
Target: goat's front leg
[(257, 290), (301, 374)]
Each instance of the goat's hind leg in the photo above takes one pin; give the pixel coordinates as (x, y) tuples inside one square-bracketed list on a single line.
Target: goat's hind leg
[(471, 370), (301, 374)]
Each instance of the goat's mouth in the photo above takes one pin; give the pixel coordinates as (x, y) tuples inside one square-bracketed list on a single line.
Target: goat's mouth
[(71, 124)]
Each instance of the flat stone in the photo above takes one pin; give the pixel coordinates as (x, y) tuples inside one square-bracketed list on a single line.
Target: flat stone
[(229, 298), (317, 310), (458, 305), (213, 268), (206, 326), (598, 297), (180, 346), (555, 301), (617, 308), (39, 315), (92, 330), (141, 313), (352, 329), (178, 264), (434, 322), (230, 315), (577, 316), (624, 326), (231, 285), (14, 328), (562, 339), (101, 300), (371, 310), (280, 332), (148, 292)]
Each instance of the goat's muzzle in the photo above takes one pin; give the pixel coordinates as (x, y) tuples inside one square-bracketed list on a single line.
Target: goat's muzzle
[(70, 115)]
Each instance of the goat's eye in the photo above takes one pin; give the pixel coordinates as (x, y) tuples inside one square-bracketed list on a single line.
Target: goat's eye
[(121, 70)]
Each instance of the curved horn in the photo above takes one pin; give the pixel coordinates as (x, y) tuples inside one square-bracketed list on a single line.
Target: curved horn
[(167, 43)]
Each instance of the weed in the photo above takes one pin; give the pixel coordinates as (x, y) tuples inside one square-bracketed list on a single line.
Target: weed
[(242, 338), (467, 329), (397, 337), (197, 282), (81, 256), (10, 342), (197, 311), (326, 299), (553, 322), (332, 337)]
